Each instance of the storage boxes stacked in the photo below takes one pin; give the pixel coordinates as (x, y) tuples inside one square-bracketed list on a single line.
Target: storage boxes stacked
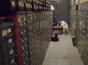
[(82, 30)]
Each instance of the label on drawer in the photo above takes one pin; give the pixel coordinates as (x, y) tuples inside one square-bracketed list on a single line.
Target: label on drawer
[(13, 3), (19, 18), (9, 30), (23, 48), (25, 38), (21, 33), (12, 61), (20, 3), (24, 17), (21, 24), (10, 40), (4, 32), (22, 40), (11, 52), (35, 16), (31, 18)]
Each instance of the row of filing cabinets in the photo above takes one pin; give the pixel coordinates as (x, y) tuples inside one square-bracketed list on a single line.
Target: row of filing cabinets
[(81, 29), (25, 37), (35, 33), (82, 38)]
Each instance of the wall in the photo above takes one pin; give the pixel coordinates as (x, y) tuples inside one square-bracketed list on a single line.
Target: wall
[(62, 9)]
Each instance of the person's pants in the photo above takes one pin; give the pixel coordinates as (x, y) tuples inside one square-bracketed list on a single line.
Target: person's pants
[(65, 29)]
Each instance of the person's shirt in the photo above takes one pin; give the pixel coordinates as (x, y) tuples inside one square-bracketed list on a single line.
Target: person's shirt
[(64, 24)]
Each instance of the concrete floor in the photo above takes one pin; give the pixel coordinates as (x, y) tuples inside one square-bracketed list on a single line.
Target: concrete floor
[(62, 53)]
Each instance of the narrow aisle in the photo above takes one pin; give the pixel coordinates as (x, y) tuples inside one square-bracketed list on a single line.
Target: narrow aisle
[(62, 53)]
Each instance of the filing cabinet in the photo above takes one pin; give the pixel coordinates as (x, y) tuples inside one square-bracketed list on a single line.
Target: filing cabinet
[(37, 33), (80, 19), (23, 38), (8, 44)]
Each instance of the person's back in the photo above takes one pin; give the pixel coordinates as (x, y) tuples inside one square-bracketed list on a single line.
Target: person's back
[(65, 26), (62, 25)]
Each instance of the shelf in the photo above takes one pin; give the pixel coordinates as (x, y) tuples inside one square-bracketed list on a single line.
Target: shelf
[(12, 6)]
